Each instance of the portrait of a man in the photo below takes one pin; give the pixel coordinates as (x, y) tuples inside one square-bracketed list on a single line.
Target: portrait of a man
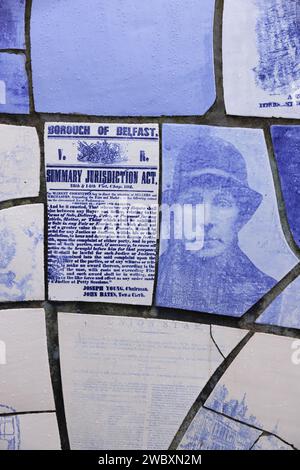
[(218, 277)]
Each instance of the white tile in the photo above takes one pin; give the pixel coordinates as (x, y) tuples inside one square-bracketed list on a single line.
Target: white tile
[(129, 382), (225, 342), (29, 432), (25, 383)]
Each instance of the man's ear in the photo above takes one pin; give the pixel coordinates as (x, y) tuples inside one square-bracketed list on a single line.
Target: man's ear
[(243, 219)]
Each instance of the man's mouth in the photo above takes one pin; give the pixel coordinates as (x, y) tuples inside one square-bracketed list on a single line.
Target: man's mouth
[(212, 239)]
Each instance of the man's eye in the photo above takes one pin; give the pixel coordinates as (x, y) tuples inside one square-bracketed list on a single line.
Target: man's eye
[(193, 200), (223, 202)]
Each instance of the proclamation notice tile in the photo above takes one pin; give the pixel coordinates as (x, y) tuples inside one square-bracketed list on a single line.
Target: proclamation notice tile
[(102, 185)]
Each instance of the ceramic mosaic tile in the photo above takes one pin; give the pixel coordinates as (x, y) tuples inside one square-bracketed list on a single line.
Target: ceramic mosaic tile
[(29, 432), (225, 342), (285, 309), (271, 443), (102, 192), (213, 431), (14, 98), (25, 384), (286, 143), (138, 376), (22, 253), (19, 162), (12, 16), (269, 405), (261, 44), (126, 58), (219, 258)]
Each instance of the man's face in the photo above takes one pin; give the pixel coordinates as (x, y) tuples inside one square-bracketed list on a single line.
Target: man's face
[(219, 225)]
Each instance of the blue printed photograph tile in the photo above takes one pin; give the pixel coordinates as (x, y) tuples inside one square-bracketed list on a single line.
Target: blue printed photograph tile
[(241, 415), (22, 253), (12, 24), (126, 58), (286, 143), (222, 247), (261, 43), (14, 97)]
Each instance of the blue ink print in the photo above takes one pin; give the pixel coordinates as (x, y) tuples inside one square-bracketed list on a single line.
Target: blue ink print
[(57, 267), (212, 431), (278, 44), (219, 401), (286, 142), (12, 24), (11, 288), (225, 424), (288, 312), (8, 252), (14, 98), (100, 152), (218, 277), (9, 429)]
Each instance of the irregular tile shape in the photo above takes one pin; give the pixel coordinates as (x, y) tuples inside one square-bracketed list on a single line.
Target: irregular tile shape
[(123, 59), (39, 432), (286, 142), (25, 384), (14, 98), (261, 45), (102, 193), (213, 431), (137, 376), (9, 430), (224, 343), (270, 403), (22, 253), (285, 309), (271, 443), (19, 162), (238, 252), (29, 432), (12, 23)]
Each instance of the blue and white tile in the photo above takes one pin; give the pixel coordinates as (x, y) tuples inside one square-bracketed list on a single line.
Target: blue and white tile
[(12, 24), (261, 70), (14, 95), (259, 389), (22, 253), (19, 162), (237, 251)]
